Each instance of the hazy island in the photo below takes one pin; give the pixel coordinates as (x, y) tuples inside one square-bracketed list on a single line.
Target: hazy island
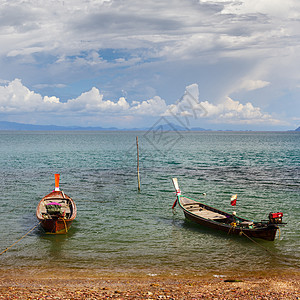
[(168, 126)]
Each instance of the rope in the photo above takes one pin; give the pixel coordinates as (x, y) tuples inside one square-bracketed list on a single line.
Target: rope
[(276, 255), (233, 226), (66, 228), (242, 232), (20, 238)]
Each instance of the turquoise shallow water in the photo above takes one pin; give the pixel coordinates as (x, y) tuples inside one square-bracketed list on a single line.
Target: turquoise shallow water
[(120, 230)]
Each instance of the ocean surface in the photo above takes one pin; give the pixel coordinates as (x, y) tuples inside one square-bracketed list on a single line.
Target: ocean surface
[(118, 229)]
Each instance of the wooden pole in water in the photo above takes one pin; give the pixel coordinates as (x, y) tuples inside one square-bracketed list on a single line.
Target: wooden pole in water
[(138, 164)]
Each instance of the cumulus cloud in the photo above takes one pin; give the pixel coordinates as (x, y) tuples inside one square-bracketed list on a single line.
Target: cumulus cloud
[(17, 99), (113, 44), (92, 101), (154, 107), (228, 111), (188, 105), (234, 112)]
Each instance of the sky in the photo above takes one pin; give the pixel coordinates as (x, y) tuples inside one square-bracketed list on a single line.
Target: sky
[(221, 65)]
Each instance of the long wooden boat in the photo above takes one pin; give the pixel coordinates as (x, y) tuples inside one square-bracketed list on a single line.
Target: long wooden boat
[(210, 217), (56, 211)]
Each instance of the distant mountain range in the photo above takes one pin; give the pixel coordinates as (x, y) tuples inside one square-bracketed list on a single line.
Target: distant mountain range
[(20, 126), (30, 127)]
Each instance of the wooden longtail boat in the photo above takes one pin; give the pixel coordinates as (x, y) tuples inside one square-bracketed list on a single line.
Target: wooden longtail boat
[(56, 211), (216, 219)]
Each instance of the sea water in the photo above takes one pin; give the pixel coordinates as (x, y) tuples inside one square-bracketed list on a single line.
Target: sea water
[(119, 229)]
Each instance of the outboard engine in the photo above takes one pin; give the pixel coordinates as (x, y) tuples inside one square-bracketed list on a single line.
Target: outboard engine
[(275, 218)]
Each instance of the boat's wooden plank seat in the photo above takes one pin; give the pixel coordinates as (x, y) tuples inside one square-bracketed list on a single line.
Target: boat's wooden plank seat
[(198, 210), (190, 204), (207, 214), (187, 200), (192, 207)]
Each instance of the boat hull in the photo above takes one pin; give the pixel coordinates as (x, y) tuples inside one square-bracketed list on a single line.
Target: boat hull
[(230, 223), (267, 233), (59, 226), (60, 223)]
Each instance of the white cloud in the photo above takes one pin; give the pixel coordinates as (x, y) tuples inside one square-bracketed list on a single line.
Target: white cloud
[(188, 105), (18, 99), (228, 111), (92, 102), (276, 8), (52, 99), (4, 81), (181, 29), (153, 107), (15, 98), (250, 85), (72, 39), (48, 85)]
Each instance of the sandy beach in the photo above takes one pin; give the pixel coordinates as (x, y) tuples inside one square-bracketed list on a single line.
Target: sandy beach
[(73, 285)]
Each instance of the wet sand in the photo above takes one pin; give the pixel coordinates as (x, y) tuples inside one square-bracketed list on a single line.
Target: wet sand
[(87, 285)]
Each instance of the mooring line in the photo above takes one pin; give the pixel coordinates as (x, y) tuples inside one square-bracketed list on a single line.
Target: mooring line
[(66, 228), (20, 238), (272, 253), (242, 232)]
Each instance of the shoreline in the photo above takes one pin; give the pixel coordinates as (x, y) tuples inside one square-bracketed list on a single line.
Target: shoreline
[(82, 284)]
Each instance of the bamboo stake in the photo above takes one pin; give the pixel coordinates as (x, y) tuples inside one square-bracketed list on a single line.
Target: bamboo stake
[(138, 164)]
